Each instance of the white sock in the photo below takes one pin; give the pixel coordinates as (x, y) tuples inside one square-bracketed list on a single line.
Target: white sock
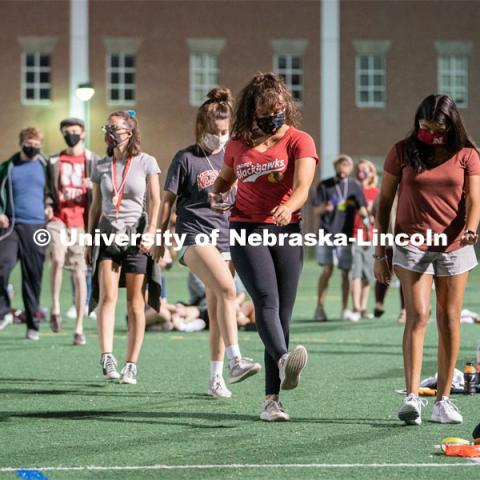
[(233, 351), (216, 368)]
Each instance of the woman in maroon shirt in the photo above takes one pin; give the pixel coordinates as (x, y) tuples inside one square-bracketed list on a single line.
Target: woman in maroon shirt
[(274, 164), (437, 172)]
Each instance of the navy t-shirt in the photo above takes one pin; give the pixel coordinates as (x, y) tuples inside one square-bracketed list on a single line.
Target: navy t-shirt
[(346, 197), (28, 182), (191, 177)]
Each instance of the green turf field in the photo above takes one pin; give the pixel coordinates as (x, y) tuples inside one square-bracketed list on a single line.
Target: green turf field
[(56, 411)]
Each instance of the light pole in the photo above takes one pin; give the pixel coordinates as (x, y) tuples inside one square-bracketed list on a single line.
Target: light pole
[(85, 92)]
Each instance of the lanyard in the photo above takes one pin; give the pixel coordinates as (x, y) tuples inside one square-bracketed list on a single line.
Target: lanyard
[(118, 193), (345, 191)]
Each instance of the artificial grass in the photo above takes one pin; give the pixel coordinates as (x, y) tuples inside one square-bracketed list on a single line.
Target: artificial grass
[(56, 410)]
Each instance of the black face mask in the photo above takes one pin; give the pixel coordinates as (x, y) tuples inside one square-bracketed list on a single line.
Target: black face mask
[(271, 124), (71, 139), (30, 151)]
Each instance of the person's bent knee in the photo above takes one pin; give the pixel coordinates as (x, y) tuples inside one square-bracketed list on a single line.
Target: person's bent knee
[(327, 270), (419, 319)]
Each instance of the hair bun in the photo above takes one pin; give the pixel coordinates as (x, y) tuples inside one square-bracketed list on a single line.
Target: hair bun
[(220, 94)]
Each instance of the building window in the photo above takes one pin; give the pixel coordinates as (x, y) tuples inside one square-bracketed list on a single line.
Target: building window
[(290, 68), (370, 80), (121, 78), (36, 81), (453, 77), (204, 75)]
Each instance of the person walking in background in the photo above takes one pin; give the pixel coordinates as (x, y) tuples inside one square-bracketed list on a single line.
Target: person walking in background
[(337, 201), (68, 175), (381, 289), (274, 164), (437, 172), (22, 213), (362, 261), (124, 182), (190, 178)]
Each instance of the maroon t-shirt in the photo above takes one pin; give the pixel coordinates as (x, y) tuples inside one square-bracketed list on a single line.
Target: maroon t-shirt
[(265, 179), (433, 199)]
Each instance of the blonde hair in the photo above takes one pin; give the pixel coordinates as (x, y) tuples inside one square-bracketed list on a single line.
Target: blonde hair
[(373, 177)]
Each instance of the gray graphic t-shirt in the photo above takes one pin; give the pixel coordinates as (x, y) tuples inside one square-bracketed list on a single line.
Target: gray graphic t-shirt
[(133, 201), (191, 177)]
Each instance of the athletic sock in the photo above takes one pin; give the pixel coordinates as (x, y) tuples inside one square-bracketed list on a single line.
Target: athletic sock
[(216, 368), (233, 351)]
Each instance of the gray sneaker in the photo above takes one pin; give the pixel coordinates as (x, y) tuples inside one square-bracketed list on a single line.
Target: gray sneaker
[(320, 315), (290, 367), (32, 334), (6, 320), (411, 409), (217, 388), (109, 366), (242, 368), (273, 411), (129, 374)]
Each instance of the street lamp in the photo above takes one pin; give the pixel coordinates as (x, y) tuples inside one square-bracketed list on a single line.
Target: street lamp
[(85, 92)]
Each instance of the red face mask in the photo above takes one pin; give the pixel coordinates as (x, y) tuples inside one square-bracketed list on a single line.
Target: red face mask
[(431, 138)]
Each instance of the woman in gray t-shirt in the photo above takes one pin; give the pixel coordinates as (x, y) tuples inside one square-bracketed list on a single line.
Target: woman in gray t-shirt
[(123, 181), (190, 178)]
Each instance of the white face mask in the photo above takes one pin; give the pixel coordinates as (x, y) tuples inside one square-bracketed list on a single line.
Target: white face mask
[(215, 142)]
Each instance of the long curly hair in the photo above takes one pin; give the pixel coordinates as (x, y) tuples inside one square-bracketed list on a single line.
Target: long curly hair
[(133, 145), (439, 109), (268, 91), (218, 106)]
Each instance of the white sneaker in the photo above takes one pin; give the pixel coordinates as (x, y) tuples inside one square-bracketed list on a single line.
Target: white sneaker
[(129, 374), (6, 320), (196, 325), (348, 315), (72, 312), (273, 411), (290, 367), (32, 334), (411, 409), (242, 368), (93, 315), (445, 411), (217, 388), (109, 366)]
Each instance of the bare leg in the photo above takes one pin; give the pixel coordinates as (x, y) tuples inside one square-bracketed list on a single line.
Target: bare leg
[(323, 283), (217, 346), (58, 258), (416, 290), (136, 315), (80, 282), (450, 292), (207, 263), (356, 294), (108, 277), (345, 288), (364, 295)]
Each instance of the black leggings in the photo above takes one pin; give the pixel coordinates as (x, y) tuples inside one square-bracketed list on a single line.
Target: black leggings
[(270, 275)]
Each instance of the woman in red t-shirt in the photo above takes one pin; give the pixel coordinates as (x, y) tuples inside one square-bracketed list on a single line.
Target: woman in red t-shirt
[(437, 172), (274, 164)]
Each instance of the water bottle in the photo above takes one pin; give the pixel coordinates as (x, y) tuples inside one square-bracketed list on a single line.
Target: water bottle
[(469, 375)]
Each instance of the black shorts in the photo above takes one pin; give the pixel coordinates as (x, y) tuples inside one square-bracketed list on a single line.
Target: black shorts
[(130, 263)]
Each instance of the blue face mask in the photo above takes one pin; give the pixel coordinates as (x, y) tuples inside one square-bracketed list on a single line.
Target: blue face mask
[(272, 123)]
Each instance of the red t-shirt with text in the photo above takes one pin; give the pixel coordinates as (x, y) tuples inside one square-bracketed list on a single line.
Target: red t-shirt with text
[(265, 179), (72, 192)]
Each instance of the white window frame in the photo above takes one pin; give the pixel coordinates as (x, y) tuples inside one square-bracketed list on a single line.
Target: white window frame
[(453, 72), (36, 69), (287, 73), (371, 88), (121, 86), (205, 70)]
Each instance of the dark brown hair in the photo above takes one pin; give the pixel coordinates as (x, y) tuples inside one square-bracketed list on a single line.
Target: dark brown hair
[(439, 109), (133, 146), (29, 134), (266, 90), (218, 106)]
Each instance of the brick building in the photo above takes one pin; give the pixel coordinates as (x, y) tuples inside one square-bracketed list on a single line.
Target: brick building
[(358, 68)]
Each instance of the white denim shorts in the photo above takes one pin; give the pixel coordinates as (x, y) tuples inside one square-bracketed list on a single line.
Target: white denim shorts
[(439, 264)]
